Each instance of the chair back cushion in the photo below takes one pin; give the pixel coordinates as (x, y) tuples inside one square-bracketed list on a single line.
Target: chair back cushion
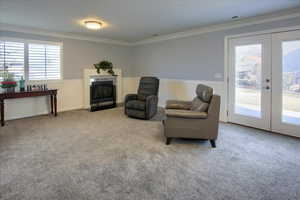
[(204, 93), (148, 86), (199, 105)]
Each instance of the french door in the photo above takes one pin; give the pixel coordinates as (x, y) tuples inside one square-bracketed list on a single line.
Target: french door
[(249, 81), (264, 82), (286, 87)]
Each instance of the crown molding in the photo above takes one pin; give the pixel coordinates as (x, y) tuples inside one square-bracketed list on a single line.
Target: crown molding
[(20, 29), (288, 14)]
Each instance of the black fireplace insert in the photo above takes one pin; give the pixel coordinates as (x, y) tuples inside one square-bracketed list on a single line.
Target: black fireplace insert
[(102, 95)]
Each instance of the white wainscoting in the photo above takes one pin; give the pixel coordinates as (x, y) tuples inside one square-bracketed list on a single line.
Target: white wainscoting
[(179, 90), (71, 96)]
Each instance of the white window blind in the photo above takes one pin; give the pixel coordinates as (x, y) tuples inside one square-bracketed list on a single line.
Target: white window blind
[(12, 58), (43, 62)]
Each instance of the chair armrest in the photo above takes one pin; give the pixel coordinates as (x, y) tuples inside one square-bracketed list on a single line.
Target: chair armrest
[(179, 105), (214, 107), (152, 99), (151, 105), (130, 97)]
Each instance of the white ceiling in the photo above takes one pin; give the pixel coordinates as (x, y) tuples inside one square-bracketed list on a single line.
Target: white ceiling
[(132, 20)]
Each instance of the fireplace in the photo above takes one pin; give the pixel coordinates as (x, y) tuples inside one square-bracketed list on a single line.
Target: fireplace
[(102, 93)]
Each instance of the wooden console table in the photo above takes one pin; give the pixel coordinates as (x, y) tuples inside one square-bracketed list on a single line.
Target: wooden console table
[(24, 94)]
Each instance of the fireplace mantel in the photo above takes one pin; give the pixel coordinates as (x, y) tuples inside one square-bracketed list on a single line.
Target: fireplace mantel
[(88, 73)]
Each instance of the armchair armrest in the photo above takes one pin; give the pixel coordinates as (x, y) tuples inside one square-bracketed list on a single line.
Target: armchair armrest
[(130, 97), (151, 105), (151, 100), (214, 107), (179, 105)]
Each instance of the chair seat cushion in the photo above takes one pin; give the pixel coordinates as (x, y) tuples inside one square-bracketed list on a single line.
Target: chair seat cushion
[(186, 114), (179, 105), (136, 105)]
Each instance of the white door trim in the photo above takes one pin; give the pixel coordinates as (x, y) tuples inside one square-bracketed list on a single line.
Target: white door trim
[(226, 56)]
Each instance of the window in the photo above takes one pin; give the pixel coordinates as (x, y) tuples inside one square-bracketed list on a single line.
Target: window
[(44, 62), (12, 58), (34, 60)]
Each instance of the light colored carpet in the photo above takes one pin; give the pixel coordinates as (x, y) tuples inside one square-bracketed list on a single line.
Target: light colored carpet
[(105, 155)]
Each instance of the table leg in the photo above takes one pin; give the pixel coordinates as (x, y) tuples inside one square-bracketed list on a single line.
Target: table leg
[(2, 111), (55, 106), (51, 100)]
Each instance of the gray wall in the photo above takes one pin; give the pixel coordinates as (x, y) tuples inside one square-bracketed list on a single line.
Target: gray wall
[(79, 54), (192, 58)]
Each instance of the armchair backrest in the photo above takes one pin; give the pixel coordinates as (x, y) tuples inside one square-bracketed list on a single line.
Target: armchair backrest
[(148, 86), (202, 101), (204, 93)]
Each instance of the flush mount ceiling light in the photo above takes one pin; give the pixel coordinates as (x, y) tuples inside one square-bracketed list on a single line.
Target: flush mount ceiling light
[(94, 25)]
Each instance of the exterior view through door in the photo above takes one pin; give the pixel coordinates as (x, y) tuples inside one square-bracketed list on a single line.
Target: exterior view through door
[(264, 82)]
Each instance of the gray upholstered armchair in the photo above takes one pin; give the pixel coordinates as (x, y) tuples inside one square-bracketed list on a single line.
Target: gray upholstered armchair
[(143, 105), (197, 119)]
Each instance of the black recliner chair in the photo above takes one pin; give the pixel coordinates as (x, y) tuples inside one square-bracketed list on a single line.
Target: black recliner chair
[(143, 105)]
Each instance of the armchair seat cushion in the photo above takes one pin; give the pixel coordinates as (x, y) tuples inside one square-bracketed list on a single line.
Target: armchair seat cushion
[(179, 105), (189, 114), (136, 105)]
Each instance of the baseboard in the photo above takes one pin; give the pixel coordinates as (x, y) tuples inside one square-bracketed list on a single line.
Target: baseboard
[(71, 109), (120, 104)]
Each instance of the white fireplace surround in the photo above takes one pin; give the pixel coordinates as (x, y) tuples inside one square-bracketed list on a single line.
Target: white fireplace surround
[(92, 73)]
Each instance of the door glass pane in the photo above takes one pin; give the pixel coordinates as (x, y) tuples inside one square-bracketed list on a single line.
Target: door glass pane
[(291, 82), (248, 62)]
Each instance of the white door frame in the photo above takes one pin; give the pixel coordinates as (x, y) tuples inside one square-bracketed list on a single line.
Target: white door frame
[(226, 57)]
